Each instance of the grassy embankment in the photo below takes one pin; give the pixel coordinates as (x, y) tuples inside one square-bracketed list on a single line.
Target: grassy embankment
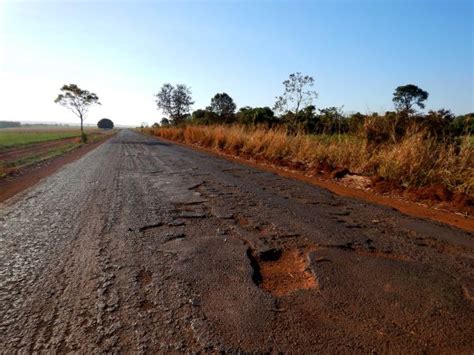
[(417, 164), (14, 144)]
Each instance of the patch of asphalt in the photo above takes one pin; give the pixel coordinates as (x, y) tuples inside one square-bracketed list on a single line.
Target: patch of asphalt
[(145, 246)]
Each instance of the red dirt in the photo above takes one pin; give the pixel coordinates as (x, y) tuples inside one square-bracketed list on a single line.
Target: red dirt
[(408, 207), (24, 178), (287, 274)]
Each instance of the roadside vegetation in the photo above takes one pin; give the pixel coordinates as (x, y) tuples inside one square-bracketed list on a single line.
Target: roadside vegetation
[(424, 155)]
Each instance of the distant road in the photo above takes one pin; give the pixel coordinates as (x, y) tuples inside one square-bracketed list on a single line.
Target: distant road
[(147, 246)]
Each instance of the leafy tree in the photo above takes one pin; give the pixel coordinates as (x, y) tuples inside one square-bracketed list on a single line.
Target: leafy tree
[(78, 101), (297, 95), (204, 117), (438, 123), (305, 120), (332, 120), (176, 101), (165, 122), (463, 125), (256, 116), (105, 123), (405, 97), (356, 122), (223, 106)]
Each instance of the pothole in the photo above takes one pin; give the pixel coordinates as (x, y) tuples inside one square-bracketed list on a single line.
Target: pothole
[(144, 277), (146, 305), (281, 272)]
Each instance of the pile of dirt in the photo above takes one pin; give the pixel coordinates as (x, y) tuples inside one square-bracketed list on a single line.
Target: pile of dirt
[(281, 272)]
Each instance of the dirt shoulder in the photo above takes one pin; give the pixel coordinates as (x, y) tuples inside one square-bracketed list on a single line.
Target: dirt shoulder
[(29, 176), (408, 207)]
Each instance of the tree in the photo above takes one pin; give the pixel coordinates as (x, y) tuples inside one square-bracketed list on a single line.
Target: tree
[(105, 123), (438, 123), (405, 97), (176, 101), (78, 101), (223, 106), (256, 116), (204, 117), (332, 120), (297, 95)]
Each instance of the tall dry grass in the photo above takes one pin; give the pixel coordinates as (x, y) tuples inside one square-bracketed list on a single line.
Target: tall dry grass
[(414, 161)]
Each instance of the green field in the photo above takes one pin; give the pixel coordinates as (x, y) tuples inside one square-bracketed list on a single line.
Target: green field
[(18, 137), (14, 140)]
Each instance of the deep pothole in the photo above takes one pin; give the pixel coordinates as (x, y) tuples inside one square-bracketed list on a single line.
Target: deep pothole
[(281, 272)]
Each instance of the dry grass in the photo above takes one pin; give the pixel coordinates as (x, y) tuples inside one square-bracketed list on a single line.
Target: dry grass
[(415, 161)]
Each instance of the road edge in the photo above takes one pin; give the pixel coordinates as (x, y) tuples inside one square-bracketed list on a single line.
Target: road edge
[(12, 186), (406, 207)]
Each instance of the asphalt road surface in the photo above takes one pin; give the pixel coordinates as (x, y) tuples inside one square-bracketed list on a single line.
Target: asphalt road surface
[(145, 246)]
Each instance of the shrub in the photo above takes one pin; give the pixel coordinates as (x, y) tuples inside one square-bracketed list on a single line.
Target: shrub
[(105, 123)]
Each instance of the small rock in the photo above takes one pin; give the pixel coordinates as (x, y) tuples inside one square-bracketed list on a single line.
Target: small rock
[(221, 231), (340, 173), (195, 302)]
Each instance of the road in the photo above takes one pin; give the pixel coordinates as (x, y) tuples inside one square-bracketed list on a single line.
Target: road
[(146, 246)]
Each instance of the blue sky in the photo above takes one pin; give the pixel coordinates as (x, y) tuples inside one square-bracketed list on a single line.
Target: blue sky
[(357, 50)]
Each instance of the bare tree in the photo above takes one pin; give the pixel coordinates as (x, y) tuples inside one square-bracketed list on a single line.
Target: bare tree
[(297, 95), (78, 101)]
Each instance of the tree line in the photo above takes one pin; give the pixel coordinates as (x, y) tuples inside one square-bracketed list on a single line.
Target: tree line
[(295, 110)]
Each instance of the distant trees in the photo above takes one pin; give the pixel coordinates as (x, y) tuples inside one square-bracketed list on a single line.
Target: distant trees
[(206, 117), (256, 116), (105, 123), (78, 101), (407, 96), (176, 101), (9, 124), (223, 106), (295, 111)]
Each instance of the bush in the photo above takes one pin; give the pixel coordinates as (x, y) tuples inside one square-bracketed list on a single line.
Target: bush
[(105, 123), (83, 137)]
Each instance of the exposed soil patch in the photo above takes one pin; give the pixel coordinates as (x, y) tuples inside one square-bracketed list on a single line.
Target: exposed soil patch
[(281, 272)]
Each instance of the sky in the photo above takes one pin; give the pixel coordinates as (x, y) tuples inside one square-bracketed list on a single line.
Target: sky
[(358, 52)]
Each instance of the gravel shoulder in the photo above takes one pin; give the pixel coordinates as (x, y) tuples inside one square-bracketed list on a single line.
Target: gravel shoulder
[(146, 246)]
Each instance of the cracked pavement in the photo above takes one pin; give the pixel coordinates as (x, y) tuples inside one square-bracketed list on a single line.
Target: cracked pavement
[(145, 246)]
